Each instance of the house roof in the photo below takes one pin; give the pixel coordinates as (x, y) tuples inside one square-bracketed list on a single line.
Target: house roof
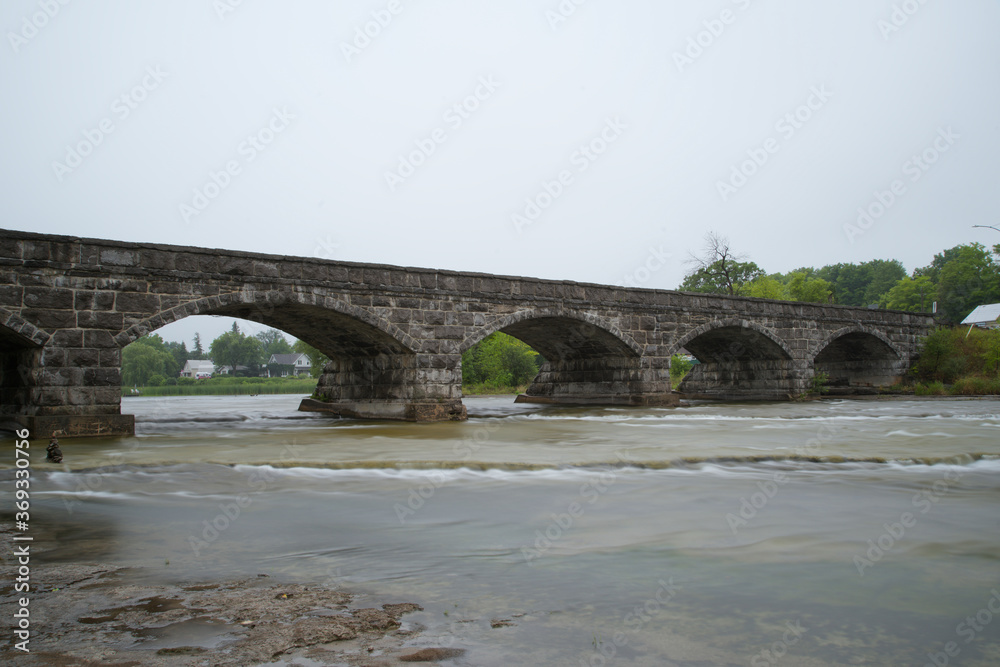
[(986, 313), (199, 363), (286, 359)]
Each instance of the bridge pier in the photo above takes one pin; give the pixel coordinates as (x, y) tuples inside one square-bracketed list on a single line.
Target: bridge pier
[(403, 387), (603, 381), (759, 380), (70, 387)]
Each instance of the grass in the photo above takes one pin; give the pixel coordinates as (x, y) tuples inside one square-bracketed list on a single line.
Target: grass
[(229, 387), (485, 389), (252, 386)]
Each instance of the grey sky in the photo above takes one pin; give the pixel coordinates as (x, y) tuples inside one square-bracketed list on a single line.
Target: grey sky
[(330, 122)]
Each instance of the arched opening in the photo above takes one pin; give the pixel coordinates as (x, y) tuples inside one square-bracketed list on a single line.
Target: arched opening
[(369, 371), (19, 362), (738, 360), (585, 361), (853, 359)]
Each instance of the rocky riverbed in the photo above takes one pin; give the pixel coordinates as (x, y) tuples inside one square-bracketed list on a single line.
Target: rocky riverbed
[(91, 614)]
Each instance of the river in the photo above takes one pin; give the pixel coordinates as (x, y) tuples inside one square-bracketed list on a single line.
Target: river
[(834, 532)]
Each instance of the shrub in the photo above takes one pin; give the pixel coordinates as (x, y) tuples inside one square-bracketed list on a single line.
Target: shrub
[(930, 389), (971, 386), (156, 380)]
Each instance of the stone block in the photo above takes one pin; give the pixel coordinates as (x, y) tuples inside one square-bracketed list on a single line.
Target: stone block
[(137, 303), (99, 340), (49, 298), (50, 320), (88, 319)]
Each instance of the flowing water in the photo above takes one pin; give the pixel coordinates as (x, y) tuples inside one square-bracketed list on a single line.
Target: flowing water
[(838, 532)]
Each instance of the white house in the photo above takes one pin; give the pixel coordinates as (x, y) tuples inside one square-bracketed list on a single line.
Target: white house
[(299, 362), (986, 316), (194, 368)]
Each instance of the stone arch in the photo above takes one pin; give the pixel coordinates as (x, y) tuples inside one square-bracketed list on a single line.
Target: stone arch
[(858, 356), (856, 329), (588, 360), (707, 327), (527, 325), (16, 332), (282, 310)]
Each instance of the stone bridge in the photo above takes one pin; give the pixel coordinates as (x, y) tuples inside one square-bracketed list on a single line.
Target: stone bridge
[(396, 335)]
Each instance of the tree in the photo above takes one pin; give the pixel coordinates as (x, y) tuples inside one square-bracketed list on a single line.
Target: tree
[(914, 294), (767, 287), (883, 274), (145, 358), (198, 352), (966, 276), (273, 342), (718, 270), (179, 352), (316, 358), (813, 290), (234, 349), (499, 360)]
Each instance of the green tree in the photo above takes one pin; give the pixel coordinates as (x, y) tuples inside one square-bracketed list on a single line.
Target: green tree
[(967, 276), (718, 270), (316, 358), (813, 290), (861, 284), (273, 342), (234, 349), (767, 287), (499, 360), (179, 352), (883, 274), (145, 358), (198, 352), (914, 294)]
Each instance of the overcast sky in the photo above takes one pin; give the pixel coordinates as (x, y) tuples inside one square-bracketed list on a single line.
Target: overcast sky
[(595, 142)]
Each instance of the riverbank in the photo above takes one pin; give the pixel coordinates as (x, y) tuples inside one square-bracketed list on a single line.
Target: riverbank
[(93, 613)]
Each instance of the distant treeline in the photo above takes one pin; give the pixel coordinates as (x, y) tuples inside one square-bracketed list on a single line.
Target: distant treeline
[(958, 279)]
